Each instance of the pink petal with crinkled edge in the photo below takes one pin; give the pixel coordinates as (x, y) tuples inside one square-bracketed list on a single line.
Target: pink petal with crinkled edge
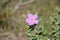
[(30, 15), (31, 23), (27, 20), (35, 16), (36, 21)]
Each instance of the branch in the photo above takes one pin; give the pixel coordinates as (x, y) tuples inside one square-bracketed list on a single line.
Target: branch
[(20, 3)]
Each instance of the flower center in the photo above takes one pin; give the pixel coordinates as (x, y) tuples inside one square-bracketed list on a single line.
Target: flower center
[(32, 19)]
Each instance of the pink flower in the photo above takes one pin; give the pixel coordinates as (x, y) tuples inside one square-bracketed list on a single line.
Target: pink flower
[(32, 19)]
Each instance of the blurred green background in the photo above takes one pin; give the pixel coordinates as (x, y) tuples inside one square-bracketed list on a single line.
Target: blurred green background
[(48, 14)]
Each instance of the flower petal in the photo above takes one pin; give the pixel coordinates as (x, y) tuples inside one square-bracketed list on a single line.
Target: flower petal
[(27, 20), (31, 23), (30, 15), (35, 16), (36, 21)]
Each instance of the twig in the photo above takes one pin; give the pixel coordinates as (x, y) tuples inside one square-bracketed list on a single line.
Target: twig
[(20, 3)]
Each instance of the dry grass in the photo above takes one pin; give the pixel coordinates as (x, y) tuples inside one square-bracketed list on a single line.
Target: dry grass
[(44, 8)]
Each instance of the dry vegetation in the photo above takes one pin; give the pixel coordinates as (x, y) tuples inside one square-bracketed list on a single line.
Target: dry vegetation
[(10, 17)]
